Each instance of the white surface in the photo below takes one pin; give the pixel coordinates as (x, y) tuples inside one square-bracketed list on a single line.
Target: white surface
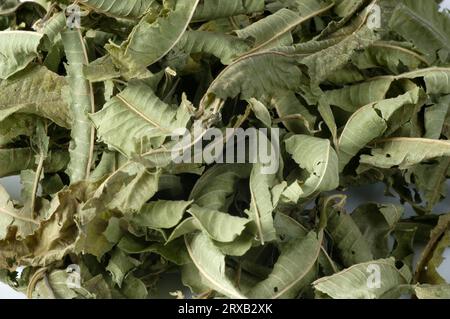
[(446, 4), (13, 187)]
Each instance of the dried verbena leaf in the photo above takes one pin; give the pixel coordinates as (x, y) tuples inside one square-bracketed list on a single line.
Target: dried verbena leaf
[(122, 9), (126, 190), (210, 263), (376, 223), (161, 214), (432, 292), (370, 122), (340, 286), (350, 244), (403, 152), (82, 102), (213, 9), (37, 91), (421, 23), (282, 282), (431, 257), (319, 159), (17, 50), (349, 93), (127, 123), (217, 186), (217, 225), (153, 37)]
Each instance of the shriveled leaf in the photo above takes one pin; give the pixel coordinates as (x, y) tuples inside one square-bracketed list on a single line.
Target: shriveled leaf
[(210, 263), (359, 281), (17, 50), (320, 161)]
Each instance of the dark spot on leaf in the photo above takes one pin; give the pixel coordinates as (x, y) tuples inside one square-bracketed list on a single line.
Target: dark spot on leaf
[(399, 264)]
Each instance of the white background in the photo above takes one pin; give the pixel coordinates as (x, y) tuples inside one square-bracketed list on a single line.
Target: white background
[(13, 186)]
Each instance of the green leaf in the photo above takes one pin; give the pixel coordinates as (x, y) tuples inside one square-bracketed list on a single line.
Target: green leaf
[(161, 214), (420, 22), (351, 98), (17, 50), (121, 9), (435, 117), (187, 226), (153, 37), (120, 265), (369, 123), (356, 282), (133, 121), (286, 281), (403, 152), (391, 55), (376, 222), (126, 190), (13, 161), (257, 75), (134, 288), (215, 188), (15, 126), (210, 263), (320, 161), (275, 29), (437, 79), (11, 217), (325, 62), (431, 256), (213, 9), (37, 91), (223, 46), (349, 242), (174, 251), (82, 94), (296, 117), (54, 286), (218, 226), (432, 292), (261, 112), (265, 190), (430, 179)]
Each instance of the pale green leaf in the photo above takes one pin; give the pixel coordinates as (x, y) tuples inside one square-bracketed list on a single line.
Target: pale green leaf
[(131, 120), (153, 37), (17, 50), (403, 152), (286, 281), (218, 226), (320, 161), (217, 186), (369, 123), (37, 91), (161, 214), (82, 102), (123, 9), (356, 282), (210, 263)]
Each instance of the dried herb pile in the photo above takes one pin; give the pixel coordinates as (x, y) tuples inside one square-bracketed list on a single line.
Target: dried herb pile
[(360, 91)]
